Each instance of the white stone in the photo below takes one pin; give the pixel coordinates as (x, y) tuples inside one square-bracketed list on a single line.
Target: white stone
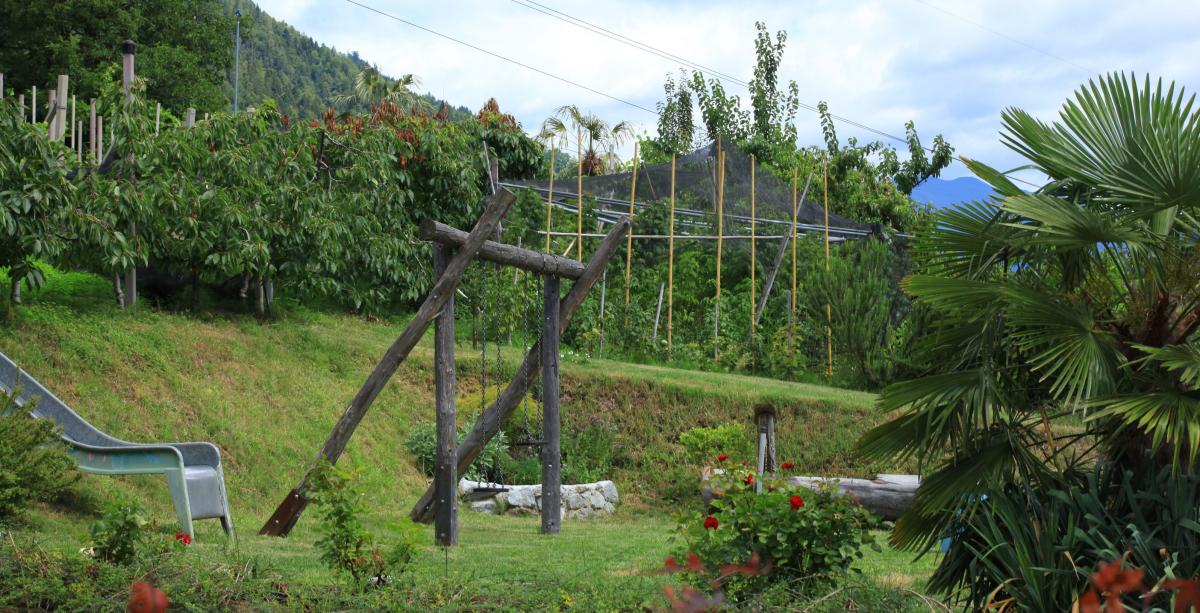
[(484, 506), (609, 490)]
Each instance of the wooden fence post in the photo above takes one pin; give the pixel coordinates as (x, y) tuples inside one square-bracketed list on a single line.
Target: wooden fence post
[(764, 418), (551, 420), (127, 50), (446, 478)]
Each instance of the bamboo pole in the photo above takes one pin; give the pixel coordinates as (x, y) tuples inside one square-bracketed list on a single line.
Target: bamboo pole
[(579, 191), (74, 134), (720, 245), (753, 249), (92, 129), (51, 118), (629, 237), (60, 113), (33, 106), (828, 307), (79, 142), (671, 261), (550, 200), (792, 298)]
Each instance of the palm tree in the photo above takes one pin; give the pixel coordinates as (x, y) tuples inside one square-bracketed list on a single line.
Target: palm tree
[(1069, 316), (371, 87), (599, 156)]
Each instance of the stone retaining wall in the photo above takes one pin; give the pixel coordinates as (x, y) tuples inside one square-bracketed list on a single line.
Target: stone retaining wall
[(578, 501)]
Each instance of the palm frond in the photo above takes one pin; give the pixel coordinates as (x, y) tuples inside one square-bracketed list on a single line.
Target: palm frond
[(1182, 358), (1171, 417), (1061, 223)]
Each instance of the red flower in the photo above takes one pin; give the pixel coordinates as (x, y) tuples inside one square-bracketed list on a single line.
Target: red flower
[(183, 538), (722, 457), (797, 502), (145, 598), (749, 480), (710, 523), (787, 465)]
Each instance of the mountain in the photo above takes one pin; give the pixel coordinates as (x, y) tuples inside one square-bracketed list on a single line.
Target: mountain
[(300, 74), (945, 192)]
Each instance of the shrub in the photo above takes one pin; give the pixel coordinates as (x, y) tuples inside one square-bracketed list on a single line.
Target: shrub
[(804, 537), (120, 532), (704, 444), (587, 454), (34, 464), (488, 466), (345, 544)]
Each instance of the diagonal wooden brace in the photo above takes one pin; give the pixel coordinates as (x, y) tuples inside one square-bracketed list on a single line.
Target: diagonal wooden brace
[(494, 416), (284, 518)]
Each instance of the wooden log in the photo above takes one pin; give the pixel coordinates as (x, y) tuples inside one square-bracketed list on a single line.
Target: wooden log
[(446, 475), (284, 518), (770, 281), (888, 496), (492, 418), (551, 420), (503, 253)]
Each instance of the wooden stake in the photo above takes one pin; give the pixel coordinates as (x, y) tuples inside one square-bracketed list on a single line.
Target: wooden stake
[(795, 237), (769, 282), (446, 476), (74, 132), (720, 241), (671, 261), (60, 119), (288, 511), (657, 311), (92, 129), (157, 116), (189, 118), (828, 307), (21, 103), (51, 117), (33, 106), (550, 201), (629, 239), (579, 191), (99, 138), (753, 250), (127, 56), (79, 143), (551, 420)]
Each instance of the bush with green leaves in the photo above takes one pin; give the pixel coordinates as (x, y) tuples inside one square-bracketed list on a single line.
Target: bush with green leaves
[(488, 465), (800, 537), (345, 544), (34, 464), (120, 534), (703, 444)]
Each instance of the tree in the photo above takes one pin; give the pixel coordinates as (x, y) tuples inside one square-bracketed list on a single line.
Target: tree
[(676, 128), (603, 139), (1067, 318), (371, 87)]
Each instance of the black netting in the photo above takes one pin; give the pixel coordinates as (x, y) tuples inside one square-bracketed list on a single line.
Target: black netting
[(696, 195)]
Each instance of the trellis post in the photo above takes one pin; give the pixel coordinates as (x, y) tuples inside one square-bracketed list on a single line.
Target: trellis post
[(753, 250), (550, 200), (629, 239), (794, 235), (127, 49)]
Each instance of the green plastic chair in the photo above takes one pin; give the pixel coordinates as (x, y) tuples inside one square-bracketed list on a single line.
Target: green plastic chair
[(193, 470)]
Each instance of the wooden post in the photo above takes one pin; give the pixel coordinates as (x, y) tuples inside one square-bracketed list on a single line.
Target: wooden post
[(92, 130), (629, 237), (551, 420), (718, 207), (579, 191), (288, 511), (795, 236), (74, 132), (157, 116), (769, 283), (1, 85), (446, 478), (671, 262), (33, 105), (60, 119), (127, 50), (550, 200), (603, 295), (21, 103), (828, 307), (657, 311), (51, 118), (753, 250), (502, 253), (79, 142), (189, 118), (491, 419), (764, 418)]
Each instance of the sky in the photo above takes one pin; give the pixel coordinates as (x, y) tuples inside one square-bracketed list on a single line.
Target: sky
[(950, 66)]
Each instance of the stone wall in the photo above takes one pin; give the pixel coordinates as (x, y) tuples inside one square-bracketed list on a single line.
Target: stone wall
[(578, 501)]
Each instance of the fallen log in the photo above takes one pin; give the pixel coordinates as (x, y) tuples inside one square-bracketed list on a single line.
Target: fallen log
[(888, 496)]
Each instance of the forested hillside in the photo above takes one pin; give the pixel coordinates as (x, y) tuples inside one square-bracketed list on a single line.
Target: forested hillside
[(300, 74)]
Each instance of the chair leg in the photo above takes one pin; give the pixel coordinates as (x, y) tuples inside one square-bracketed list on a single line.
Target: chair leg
[(179, 497)]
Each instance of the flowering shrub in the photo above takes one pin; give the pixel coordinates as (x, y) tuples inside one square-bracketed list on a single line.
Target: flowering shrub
[(800, 536)]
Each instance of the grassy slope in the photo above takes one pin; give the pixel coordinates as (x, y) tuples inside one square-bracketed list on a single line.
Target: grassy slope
[(267, 394)]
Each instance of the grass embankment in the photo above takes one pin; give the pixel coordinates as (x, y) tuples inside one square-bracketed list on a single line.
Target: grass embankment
[(268, 394)]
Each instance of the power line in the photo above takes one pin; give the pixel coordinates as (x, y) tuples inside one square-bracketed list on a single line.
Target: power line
[(1017, 41), (498, 56)]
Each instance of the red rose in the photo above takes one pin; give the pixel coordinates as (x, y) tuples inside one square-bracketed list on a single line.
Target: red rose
[(710, 523), (183, 538), (787, 465), (749, 480), (796, 501), (722, 457)]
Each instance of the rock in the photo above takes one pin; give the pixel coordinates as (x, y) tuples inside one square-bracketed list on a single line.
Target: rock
[(579, 501), (484, 506), (609, 490)]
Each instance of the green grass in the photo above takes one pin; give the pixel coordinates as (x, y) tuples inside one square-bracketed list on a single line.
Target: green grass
[(268, 393)]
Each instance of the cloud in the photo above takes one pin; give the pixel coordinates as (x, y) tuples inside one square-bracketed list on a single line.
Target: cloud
[(950, 67)]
